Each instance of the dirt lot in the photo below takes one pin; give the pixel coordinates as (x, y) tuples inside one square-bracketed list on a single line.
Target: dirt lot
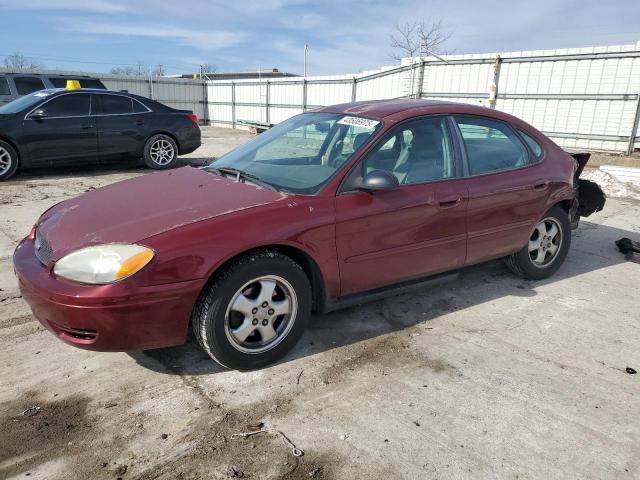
[(488, 377)]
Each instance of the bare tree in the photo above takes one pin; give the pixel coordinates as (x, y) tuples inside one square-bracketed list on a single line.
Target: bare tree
[(209, 68), (140, 69), (17, 61), (418, 39)]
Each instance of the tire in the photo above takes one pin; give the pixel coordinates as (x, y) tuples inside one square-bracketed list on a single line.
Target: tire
[(539, 259), (8, 161), (160, 152), (235, 339)]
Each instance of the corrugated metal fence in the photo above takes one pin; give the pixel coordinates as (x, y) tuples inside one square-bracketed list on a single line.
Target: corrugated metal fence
[(587, 98), (181, 93)]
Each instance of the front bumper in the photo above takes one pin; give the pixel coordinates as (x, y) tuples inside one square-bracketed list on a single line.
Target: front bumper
[(116, 317)]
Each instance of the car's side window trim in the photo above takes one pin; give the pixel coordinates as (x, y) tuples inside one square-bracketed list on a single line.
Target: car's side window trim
[(532, 158), (92, 113), (345, 187)]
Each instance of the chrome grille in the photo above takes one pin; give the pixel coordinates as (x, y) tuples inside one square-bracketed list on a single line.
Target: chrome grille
[(43, 249)]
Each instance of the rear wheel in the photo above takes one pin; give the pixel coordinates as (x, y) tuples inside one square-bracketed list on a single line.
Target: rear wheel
[(254, 311), (160, 152), (547, 247), (8, 160)]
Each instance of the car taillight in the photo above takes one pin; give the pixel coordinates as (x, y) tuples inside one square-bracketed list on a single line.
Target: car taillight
[(193, 117)]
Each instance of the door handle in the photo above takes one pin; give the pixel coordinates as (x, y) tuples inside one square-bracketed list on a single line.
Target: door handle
[(541, 186), (450, 202), (86, 126), (139, 122)]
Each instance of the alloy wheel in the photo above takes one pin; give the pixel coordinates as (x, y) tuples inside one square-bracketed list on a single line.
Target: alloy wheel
[(261, 314), (162, 152), (5, 161), (545, 242)]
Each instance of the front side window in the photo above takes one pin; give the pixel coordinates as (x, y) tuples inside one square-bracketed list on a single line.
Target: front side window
[(4, 86), (421, 152), (491, 145), (302, 153), (27, 85), (116, 105), (72, 105)]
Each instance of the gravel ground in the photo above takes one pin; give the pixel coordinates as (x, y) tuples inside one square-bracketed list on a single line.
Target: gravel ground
[(487, 377)]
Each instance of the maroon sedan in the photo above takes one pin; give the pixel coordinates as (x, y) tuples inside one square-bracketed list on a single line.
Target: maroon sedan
[(327, 209)]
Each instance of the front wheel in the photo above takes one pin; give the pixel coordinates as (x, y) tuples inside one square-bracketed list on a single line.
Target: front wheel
[(547, 247), (254, 311), (160, 152), (8, 161)]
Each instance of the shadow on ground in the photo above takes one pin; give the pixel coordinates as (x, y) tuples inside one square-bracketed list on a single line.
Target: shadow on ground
[(592, 249)]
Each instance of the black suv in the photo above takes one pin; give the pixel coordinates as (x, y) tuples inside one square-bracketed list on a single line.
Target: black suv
[(15, 85)]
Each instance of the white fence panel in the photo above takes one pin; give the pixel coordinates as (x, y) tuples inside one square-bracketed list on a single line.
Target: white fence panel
[(582, 98)]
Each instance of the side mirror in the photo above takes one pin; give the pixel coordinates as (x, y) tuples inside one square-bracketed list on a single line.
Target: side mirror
[(39, 113), (379, 180)]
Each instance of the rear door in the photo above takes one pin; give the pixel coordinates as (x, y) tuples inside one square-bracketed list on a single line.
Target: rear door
[(507, 188), (66, 132), (122, 130), (414, 231)]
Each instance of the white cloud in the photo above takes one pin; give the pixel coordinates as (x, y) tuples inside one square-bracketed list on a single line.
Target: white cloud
[(205, 40), (99, 6)]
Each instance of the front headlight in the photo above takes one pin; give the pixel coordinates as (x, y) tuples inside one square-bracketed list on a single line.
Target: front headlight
[(103, 264)]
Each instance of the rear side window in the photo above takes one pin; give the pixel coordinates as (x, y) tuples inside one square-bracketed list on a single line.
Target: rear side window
[(73, 105), (27, 85), (4, 86), (58, 82), (139, 107), (491, 145), (533, 145), (116, 105)]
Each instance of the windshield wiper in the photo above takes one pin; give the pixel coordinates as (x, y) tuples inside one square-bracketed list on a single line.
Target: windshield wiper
[(242, 174)]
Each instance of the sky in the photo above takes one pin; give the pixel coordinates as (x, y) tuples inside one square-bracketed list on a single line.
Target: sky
[(343, 36)]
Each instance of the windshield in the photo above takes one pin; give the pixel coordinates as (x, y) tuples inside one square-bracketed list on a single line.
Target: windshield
[(301, 154), (25, 102)]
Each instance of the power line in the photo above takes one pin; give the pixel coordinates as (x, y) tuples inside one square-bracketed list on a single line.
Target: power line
[(94, 62)]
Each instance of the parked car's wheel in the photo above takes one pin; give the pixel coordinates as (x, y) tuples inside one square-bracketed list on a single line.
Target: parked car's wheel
[(253, 312), (160, 152), (8, 160), (547, 247)]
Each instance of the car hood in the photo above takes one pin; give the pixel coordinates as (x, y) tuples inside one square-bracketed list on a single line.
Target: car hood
[(135, 209)]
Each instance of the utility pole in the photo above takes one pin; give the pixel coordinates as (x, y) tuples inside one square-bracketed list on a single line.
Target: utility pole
[(306, 50)]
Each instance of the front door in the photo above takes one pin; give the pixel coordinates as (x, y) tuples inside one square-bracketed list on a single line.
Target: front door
[(413, 231), (63, 132)]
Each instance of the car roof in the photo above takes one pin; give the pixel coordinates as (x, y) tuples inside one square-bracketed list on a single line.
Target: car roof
[(384, 108)]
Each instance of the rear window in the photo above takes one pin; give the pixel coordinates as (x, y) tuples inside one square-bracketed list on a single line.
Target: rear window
[(27, 85), (116, 105), (84, 82), (4, 86)]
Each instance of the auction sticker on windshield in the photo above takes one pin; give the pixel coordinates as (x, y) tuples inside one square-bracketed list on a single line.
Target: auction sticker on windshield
[(359, 122)]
